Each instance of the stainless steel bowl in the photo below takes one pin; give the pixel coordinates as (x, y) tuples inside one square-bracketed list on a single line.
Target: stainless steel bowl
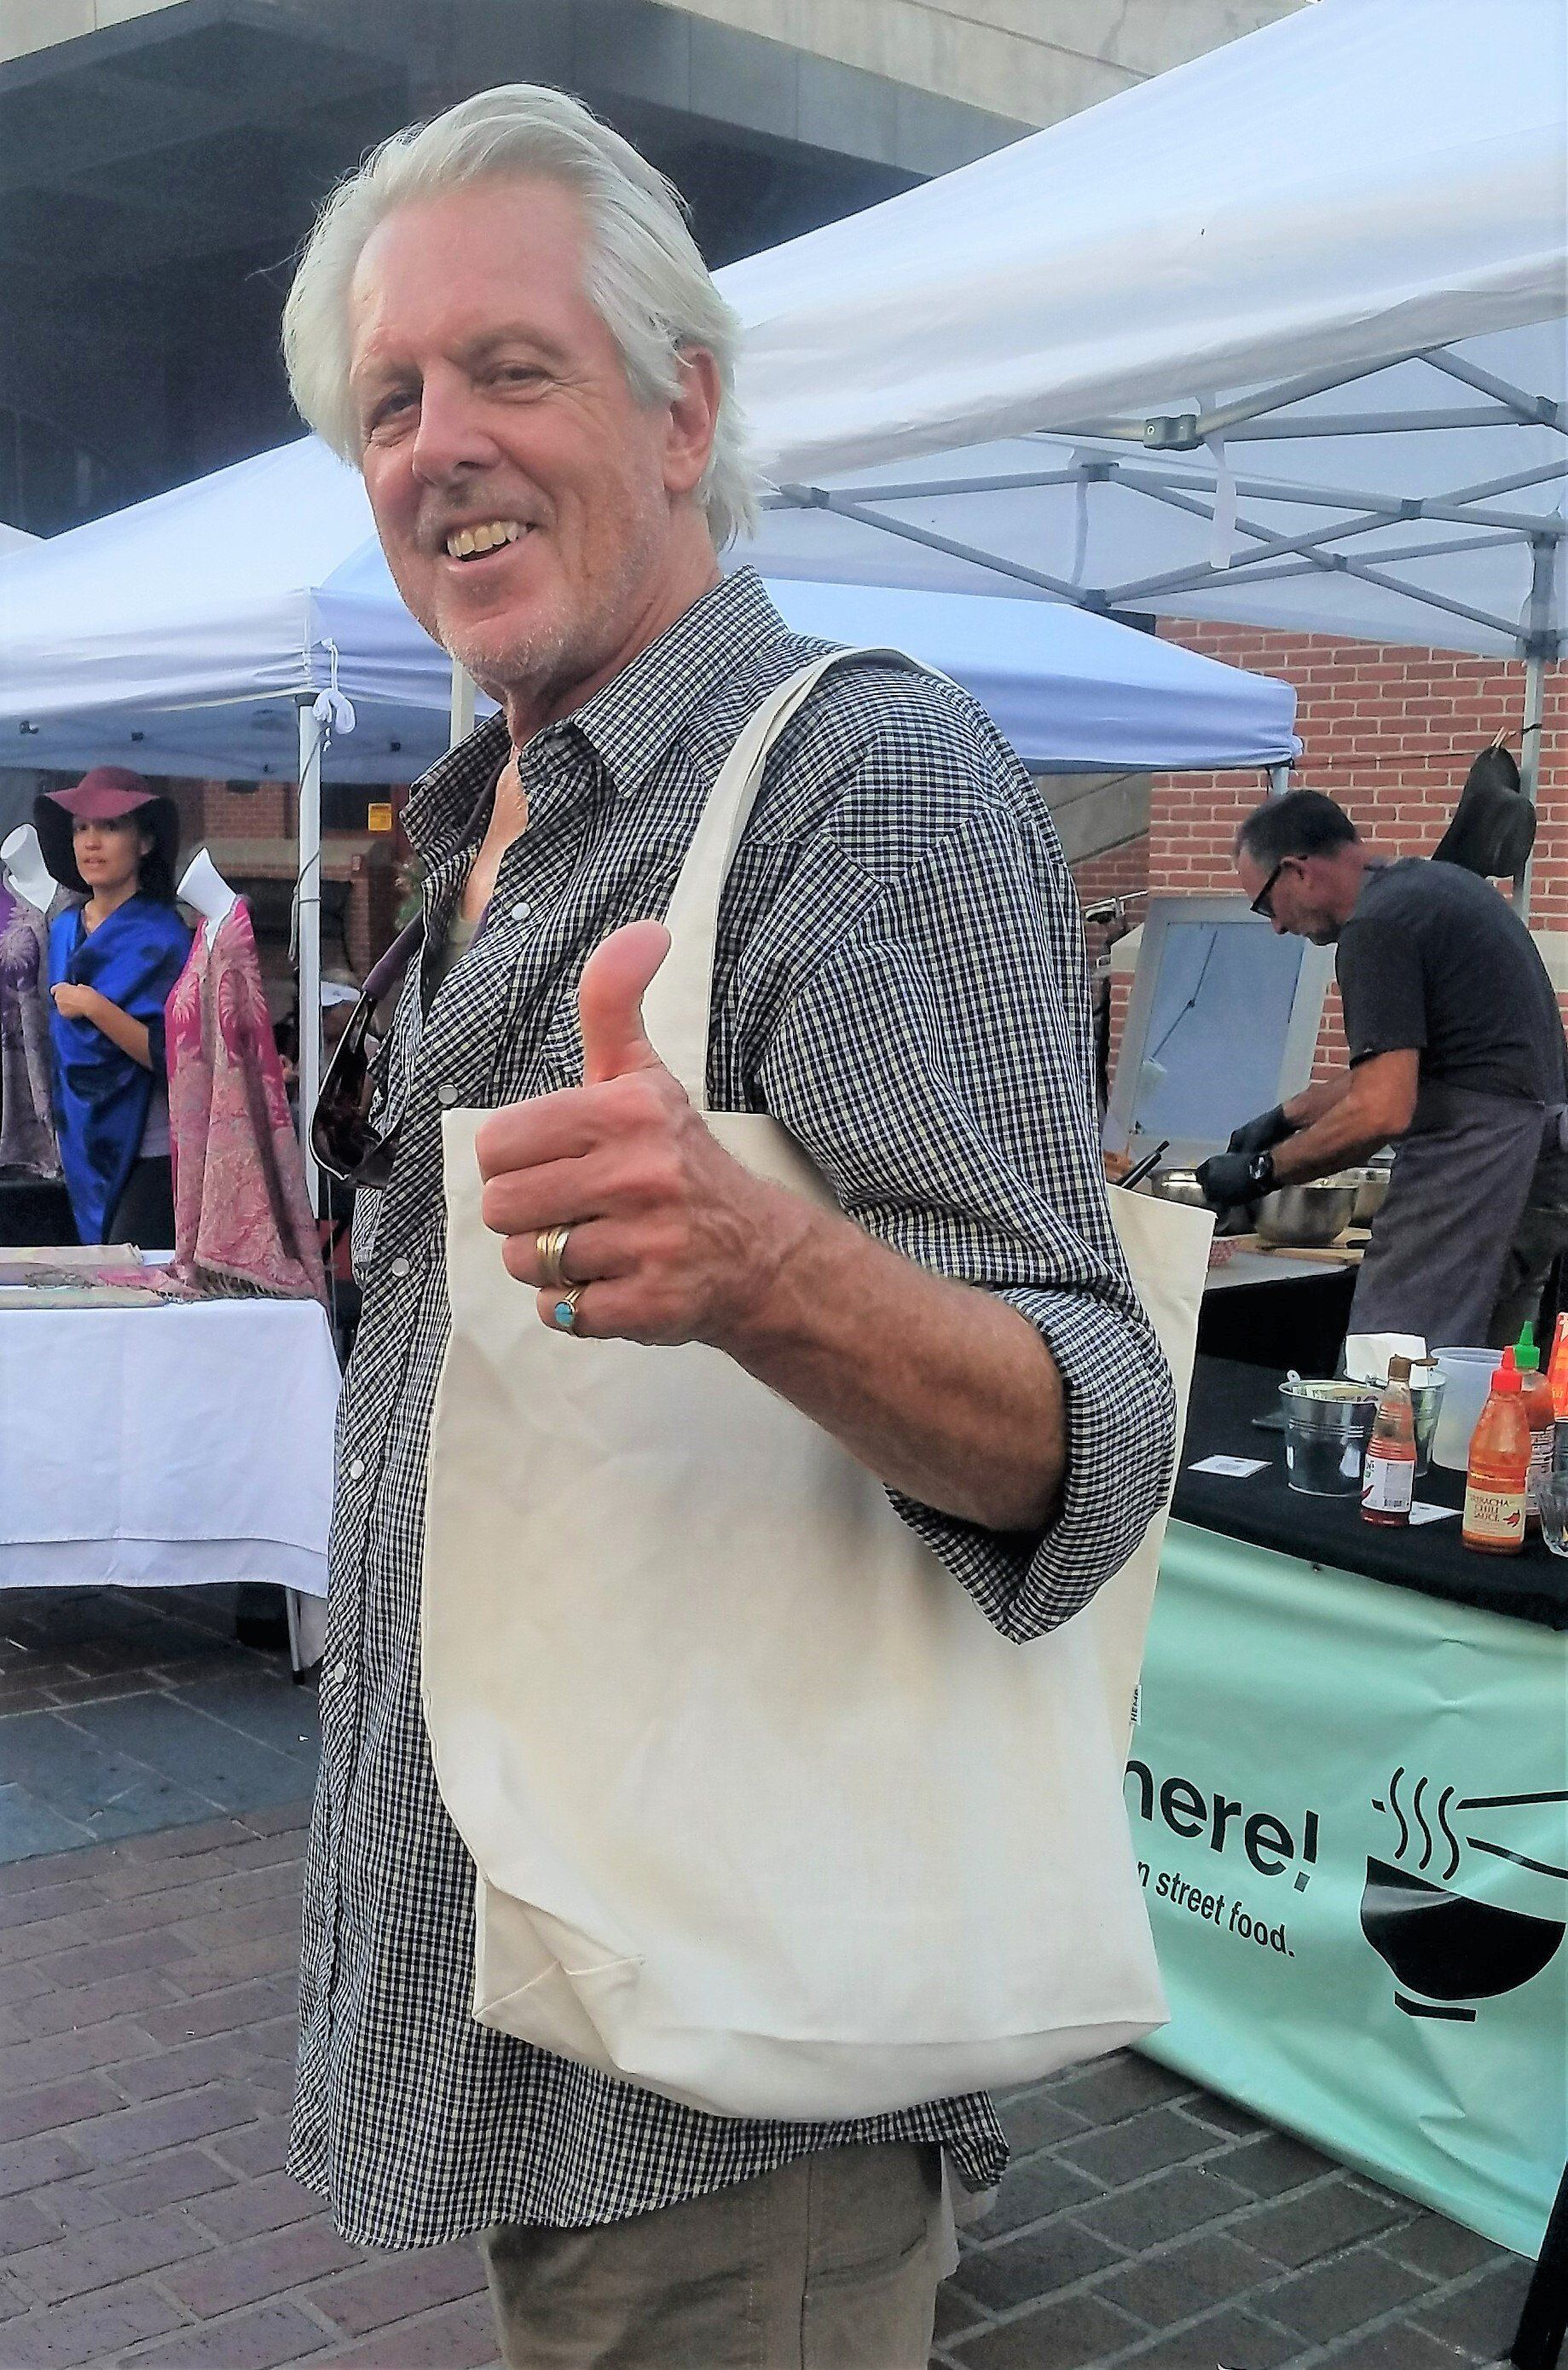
[(1178, 1185), (1306, 1217), (1371, 1192)]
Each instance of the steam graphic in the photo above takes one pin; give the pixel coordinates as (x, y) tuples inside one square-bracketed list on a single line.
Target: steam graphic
[(1438, 1942), (1417, 1819)]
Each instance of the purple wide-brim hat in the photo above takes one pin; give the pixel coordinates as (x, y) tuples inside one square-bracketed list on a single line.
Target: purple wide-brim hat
[(105, 794)]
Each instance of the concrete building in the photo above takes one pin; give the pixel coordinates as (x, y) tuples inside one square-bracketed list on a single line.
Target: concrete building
[(160, 159)]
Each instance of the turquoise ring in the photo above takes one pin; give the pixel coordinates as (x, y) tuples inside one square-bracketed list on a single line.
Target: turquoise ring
[(566, 1310)]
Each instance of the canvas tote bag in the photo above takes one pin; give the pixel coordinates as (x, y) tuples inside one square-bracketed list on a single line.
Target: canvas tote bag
[(765, 1815)]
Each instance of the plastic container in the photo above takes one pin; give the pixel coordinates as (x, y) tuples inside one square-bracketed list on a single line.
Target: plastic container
[(1497, 1475), (1327, 1426), (1467, 1375)]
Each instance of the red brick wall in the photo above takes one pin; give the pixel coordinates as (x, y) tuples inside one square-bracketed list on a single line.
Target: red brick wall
[(1115, 872), (268, 811), (1390, 732)]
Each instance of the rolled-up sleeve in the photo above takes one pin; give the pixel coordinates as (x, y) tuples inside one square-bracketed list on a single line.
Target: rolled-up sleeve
[(936, 1064)]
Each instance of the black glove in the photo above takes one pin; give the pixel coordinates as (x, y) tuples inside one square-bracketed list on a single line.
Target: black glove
[(1231, 1179), (1261, 1134)]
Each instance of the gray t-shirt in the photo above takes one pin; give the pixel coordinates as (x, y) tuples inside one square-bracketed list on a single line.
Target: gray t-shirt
[(1433, 960)]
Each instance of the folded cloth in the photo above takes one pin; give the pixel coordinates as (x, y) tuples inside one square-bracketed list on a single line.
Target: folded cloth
[(242, 1210), (26, 1121)]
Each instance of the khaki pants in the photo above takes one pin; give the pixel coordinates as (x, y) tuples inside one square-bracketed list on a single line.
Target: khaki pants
[(829, 2263)]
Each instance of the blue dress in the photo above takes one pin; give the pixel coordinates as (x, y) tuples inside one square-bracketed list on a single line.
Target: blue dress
[(101, 1095)]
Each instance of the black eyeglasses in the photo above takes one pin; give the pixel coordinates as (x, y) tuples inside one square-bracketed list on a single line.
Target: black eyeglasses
[(1261, 902)]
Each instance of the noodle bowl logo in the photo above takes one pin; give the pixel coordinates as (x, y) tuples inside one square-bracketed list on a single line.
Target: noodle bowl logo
[(1442, 1949)]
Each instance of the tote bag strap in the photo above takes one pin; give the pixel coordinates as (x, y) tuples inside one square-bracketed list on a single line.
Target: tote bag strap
[(678, 1007)]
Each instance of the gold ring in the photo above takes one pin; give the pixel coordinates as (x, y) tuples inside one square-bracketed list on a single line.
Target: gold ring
[(566, 1309), (550, 1247)]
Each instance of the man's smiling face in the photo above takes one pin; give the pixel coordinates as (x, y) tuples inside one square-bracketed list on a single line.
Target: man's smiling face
[(523, 497)]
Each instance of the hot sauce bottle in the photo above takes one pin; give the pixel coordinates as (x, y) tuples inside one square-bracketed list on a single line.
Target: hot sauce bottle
[(1387, 1476), (1535, 1392), (1497, 1475)]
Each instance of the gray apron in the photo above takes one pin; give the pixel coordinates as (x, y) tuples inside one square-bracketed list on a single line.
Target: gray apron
[(1462, 1178)]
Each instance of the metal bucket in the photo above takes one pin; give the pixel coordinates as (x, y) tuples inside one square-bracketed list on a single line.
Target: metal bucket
[(1327, 1426)]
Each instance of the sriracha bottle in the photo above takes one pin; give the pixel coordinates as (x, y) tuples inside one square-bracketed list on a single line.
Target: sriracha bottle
[(1388, 1483), (1557, 1371), (1498, 1472)]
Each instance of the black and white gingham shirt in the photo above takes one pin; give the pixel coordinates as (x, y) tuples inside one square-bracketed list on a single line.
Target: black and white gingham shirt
[(900, 983)]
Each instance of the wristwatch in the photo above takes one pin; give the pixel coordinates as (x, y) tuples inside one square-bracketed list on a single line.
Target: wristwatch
[(1260, 1169)]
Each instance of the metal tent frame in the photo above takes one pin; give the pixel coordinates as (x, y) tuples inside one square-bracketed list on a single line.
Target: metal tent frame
[(1244, 548)]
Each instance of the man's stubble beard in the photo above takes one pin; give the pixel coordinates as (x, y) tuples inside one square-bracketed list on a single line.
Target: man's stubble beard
[(544, 664)]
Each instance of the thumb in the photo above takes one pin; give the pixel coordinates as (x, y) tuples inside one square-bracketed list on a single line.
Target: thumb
[(615, 978)]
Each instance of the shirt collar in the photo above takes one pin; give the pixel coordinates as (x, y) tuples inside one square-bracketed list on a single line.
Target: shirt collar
[(628, 723), (631, 721)]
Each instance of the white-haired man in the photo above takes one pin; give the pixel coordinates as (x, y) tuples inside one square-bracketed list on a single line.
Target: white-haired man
[(502, 320)]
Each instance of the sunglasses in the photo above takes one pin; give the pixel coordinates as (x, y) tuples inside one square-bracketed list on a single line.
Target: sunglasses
[(341, 1137), (1263, 904)]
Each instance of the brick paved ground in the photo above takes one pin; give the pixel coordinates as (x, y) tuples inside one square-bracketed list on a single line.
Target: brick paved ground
[(146, 2041), (146, 2048)]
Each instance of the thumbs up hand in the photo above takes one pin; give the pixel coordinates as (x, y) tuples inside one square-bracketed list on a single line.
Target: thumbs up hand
[(664, 1227), (615, 978)]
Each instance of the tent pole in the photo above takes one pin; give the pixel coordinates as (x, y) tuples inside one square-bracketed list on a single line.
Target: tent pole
[(1529, 765), (312, 735), (1543, 558), (462, 723), (1279, 782)]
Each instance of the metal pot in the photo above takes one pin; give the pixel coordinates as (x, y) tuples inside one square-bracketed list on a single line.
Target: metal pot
[(1178, 1185), (1306, 1217), (1371, 1192)]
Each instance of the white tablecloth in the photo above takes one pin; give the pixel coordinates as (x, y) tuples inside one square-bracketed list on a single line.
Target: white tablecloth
[(163, 1446)]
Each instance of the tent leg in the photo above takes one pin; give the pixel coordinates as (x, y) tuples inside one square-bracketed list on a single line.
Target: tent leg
[(312, 735), (1544, 560), (1529, 765), (1279, 782), (462, 723)]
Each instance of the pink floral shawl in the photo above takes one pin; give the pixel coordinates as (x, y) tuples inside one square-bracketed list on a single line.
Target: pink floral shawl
[(242, 1212)]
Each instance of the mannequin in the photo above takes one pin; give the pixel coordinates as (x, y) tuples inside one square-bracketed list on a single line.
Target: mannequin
[(27, 874), (205, 889), (27, 1124)]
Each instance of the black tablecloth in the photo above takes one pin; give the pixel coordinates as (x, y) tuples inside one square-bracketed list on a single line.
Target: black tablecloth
[(1227, 1395)]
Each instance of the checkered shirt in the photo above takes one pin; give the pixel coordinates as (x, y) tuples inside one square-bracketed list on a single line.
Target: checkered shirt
[(900, 983)]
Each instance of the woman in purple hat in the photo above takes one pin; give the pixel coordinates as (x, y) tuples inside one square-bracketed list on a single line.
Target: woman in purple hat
[(112, 960)]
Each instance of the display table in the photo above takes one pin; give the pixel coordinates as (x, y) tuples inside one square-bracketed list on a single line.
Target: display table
[(167, 1445), (1228, 1397), (1349, 1798)]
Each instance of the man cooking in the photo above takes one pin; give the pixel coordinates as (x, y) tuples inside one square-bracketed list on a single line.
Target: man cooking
[(1457, 1054)]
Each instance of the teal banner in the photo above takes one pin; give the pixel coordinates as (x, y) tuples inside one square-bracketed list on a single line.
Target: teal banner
[(1350, 1807)]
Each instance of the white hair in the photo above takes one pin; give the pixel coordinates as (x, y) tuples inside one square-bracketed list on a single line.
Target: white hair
[(645, 275)]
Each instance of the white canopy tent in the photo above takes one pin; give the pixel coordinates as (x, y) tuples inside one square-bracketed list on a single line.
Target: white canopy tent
[(244, 625), (1317, 278), (181, 635)]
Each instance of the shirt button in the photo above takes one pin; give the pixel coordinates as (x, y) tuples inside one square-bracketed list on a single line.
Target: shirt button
[(446, 1093), (520, 911), (338, 1674), (399, 1267), (356, 1470)]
